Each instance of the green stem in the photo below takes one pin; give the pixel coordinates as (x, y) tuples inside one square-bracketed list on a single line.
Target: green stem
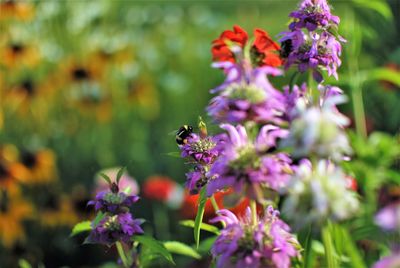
[(214, 203), (253, 207), (358, 108), (293, 80), (122, 255)]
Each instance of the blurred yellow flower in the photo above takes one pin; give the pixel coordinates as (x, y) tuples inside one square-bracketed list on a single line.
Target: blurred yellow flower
[(11, 9), (58, 211), (13, 211), (36, 167), (17, 55)]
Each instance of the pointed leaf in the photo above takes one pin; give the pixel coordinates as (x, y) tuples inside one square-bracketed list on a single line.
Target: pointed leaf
[(204, 226), (154, 246), (24, 264), (119, 174), (199, 216), (182, 249), (105, 177), (81, 227), (100, 215)]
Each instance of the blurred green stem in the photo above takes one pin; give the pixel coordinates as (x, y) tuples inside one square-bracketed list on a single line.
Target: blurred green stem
[(122, 255), (214, 203), (353, 51)]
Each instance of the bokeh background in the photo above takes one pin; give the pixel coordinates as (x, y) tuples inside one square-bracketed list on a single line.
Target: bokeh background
[(88, 85)]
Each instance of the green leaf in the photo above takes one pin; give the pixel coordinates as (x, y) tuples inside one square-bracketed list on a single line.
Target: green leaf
[(203, 226), (199, 216), (100, 215), (105, 177), (329, 248), (81, 227), (379, 6), (154, 246), (119, 174), (174, 154), (351, 249), (24, 264), (308, 253), (182, 249), (206, 244), (385, 74)]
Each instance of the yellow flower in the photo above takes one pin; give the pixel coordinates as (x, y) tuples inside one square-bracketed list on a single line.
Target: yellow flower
[(17, 55), (10, 9), (13, 211), (36, 167), (58, 211), (145, 97)]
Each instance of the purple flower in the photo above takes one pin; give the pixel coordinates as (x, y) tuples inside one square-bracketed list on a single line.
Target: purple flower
[(391, 261), (313, 51), (310, 43), (196, 179), (313, 14), (202, 150), (388, 218), (293, 99), (249, 164), (113, 202), (113, 228), (243, 243), (246, 95)]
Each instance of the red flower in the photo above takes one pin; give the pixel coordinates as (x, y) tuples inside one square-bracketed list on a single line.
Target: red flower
[(264, 51), (163, 189), (220, 49), (351, 183), (190, 204)]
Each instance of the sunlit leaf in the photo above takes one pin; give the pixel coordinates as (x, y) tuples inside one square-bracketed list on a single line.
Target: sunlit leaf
[(154, 246), (24, 264), (203, 226), (182, 249), (81, 227)]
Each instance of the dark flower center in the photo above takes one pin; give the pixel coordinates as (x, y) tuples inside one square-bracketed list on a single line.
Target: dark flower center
[(80, 74), (17, 48), (4, 172), (28, 87), (29, 159), (4, 201), (52, 202)]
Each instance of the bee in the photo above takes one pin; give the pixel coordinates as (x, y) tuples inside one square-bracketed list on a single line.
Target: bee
[(183, 133)]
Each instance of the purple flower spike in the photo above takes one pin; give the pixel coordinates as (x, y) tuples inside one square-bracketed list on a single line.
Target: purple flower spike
[(108, 201), (310, 43), (245, 244), (247, 164), (247, 95), (120, 227)]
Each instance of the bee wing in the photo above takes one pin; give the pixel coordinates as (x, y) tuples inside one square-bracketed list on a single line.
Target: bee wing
[(172, 133)]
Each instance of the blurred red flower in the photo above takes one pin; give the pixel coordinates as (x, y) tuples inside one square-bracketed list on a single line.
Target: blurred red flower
[(190, 203), (163, 189), (351, 183), (264, 51)]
